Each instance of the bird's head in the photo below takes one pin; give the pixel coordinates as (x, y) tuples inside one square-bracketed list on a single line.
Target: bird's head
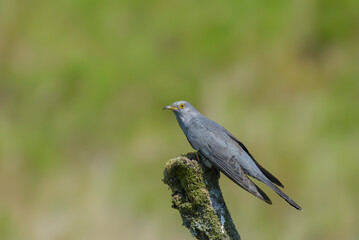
[(181, 108)]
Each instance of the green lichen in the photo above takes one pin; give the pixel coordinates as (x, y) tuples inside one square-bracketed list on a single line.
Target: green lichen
[(193, 185)]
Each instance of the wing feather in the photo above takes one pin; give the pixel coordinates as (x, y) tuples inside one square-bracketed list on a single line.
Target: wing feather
[(237, 175), (264, 171), (212, 144)]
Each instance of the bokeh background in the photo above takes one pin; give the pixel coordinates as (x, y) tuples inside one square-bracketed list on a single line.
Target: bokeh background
[(83, 139)]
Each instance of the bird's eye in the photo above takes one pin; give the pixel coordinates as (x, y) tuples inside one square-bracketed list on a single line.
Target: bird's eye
[(181, 106)]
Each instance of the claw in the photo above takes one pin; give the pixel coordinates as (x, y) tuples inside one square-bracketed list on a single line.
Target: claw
[(198, 159)]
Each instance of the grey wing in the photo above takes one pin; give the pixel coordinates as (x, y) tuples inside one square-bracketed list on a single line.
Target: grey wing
[(270, 176), (213, 144), (234, 172)]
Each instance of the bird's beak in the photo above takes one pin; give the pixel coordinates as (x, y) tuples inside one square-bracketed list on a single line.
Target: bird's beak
[(170, 107)]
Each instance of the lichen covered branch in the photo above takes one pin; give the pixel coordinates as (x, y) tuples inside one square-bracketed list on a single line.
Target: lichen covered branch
[(198, 198)]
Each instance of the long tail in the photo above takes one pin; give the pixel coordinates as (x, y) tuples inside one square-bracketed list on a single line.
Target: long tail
[(282, 194)]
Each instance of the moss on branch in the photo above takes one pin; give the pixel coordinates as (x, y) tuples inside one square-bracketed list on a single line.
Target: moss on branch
[(198, 198)]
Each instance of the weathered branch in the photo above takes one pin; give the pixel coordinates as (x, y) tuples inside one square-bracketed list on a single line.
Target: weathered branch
[(198, 198)]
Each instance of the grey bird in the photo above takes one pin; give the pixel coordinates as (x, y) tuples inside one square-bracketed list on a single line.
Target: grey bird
[(220, 148)]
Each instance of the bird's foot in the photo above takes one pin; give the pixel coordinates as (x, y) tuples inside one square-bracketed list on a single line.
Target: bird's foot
[(198, 158)]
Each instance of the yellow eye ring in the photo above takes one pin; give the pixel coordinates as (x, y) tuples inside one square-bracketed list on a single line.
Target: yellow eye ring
[(181, 106)]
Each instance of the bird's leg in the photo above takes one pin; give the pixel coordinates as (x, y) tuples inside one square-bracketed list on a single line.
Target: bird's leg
[(205, 161)]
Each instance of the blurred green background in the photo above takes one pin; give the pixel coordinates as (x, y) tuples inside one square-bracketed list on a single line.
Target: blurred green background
[(83, 139)]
